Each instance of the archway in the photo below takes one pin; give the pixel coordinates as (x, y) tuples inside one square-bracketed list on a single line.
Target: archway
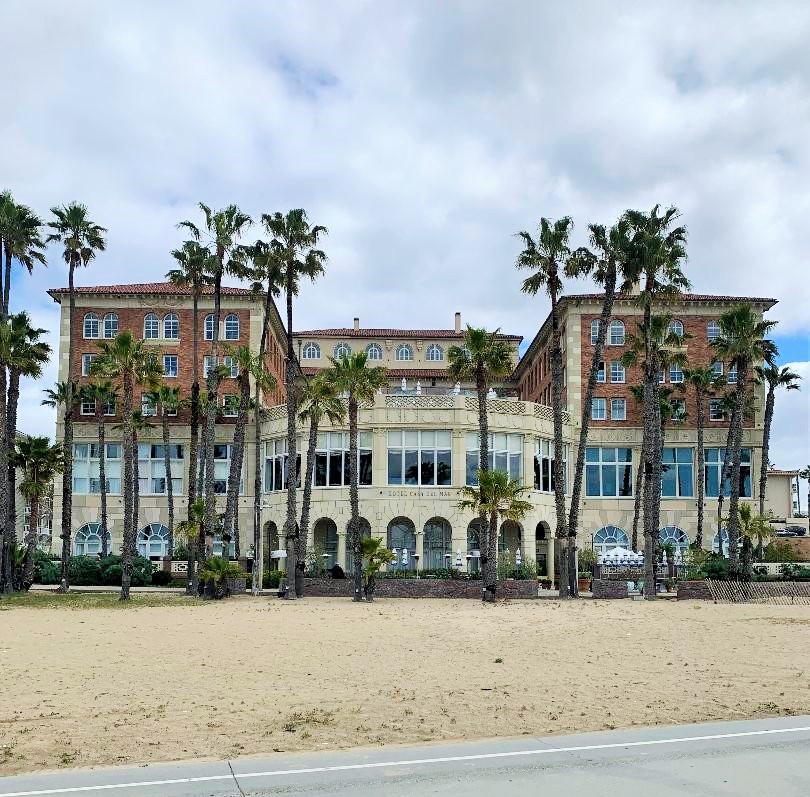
[(365, 532), (436, 543), (474, 545), (608, 538), (542, 534), (271, 544), (325, 541), (87, 540), (402, 537), (153, 540), (674, 536), (509, 537)]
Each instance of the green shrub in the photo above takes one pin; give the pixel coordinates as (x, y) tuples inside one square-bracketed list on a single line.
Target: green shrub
[(161, 578), (46, 569), (586, 560), (112, 571), (180, 554), (716, 567), (84, 571), (780, 552)]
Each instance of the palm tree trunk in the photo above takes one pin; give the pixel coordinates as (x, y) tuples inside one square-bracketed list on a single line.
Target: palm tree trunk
[(307, 499), (31, 544), (6, 286), (354, 501), (237, 458), (488, 546), (211, 413), (10, 533), (736, 453), (701, 466), (290, 530), (129, 535), (8, 575), (200, 549), (195, 434), (167, 467), (639, 487), (766, 442), (726, 469), (136, 492), (102, 476)]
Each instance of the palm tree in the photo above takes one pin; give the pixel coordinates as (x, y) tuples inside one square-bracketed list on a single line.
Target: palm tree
[(742, 342), (188, 531), (101, 393), (484, 358), (655, 255), (82, 239), (351, 375), (65, 395), (319, 400), (140, 423), (193, 272), (294, 241), (223, 228), (20, 240), (40, 462), (774, 377), (803, 474), (128, 363), (752, 527), (545, 257), (704, 383), (496, 496), (605, 264)]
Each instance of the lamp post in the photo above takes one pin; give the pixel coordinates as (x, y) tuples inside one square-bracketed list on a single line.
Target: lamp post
[(325, 557)]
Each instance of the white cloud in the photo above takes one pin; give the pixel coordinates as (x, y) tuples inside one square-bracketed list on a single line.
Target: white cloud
[(790, 435)]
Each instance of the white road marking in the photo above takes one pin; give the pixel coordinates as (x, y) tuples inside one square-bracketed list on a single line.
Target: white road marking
[(403, 763)]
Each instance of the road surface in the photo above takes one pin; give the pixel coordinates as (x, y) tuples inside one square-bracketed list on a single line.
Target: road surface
[(757, 757)]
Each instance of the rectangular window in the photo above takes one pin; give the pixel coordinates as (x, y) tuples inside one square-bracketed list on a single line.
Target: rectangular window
[(662, 377), (505, 454), (595, 331), (675, 374), (419, 457), (233, 365), (88, 408), (677, 473), (678, 409), (616, 372), (716, 410), (600, 374), (332, 459), (717, 368), (618, 409), (598, 409), (230, 406), (148, 408), (714, 467), (170, 365), (87, 361), (544, 466), (86, 468), (275, 464), (609, 472), (732, 375), (109, 407), (152, 469), (209, 362)]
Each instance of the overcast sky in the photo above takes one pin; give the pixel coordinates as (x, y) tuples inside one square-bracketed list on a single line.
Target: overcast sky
[(423, 135)]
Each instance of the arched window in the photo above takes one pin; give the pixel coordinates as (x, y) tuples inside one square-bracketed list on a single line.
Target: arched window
[(437, 541), (720, 542), (153, 540), (342, 350), (402, 536), (171, 326), (374, 351), (312, 351), (509, 538), (87, 540), (270, 545), (474, 545), (151, 327), (110, 325), (616, 337), (404, 352), (674, 536), (91, 325), (365, 533), (595, 324), (231, 327), (608, 538), (676, 327), (325, 540), (435, 353), (209, 327), (712, 330)]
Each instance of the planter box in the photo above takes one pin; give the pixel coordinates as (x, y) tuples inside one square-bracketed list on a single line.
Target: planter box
[(605, 588), (237, 586), (694, 590)]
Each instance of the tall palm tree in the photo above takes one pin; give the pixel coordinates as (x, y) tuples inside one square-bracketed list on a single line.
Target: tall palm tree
[(140, 423), (743, 342), (704, 383), (66, 396), (20, 240), (101, 393), (752, 527), (604, 262), (774, 377), (803, 474), (40, 462), (655, 257), (295, 242), (319, 401), (484, 358), (223, 228), (352, 375), (189, 532), (81, 239), (128, 363), (546, 257)]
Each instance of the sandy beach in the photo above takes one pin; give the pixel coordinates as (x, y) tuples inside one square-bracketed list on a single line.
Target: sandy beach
[(84, 687)]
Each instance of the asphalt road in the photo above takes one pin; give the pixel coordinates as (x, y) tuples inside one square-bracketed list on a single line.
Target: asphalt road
[(757, 757)]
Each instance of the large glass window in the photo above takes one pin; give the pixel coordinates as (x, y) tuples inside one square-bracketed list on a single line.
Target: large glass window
[(714, 467), (676, 327), (435, 353), (404, 352), (153, 540), (609, 472), (732, 374), (86, 475), (616, 372), (616, 336), (171, 326), (87, 361), (419, 457), (275, 464), (151, 327), (608, 538), (312, 351), (505, 454), (332, 459), (91, 325), (598, 409), (600, 372), (87, 540), (110, 325), (595, 324), (402, 537), (208, 332), (374, 351), (716, 410), (544, 466), (677, 473), (232, 364), (152, 470), (618, 409), (437, 543), (342, 350), (712, 330), (170, 365), (672, 535), (231, 327)]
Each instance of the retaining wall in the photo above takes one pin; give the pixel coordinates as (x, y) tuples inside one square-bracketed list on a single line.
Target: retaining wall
[(419, 588)]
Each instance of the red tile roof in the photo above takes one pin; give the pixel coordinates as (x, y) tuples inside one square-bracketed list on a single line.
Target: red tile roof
[(146, 288), (683, 297), (777, 472), (350, 332)]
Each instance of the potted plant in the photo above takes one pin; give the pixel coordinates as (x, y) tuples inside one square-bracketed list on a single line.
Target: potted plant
[(222, 578), (586, 559), (375, 555)]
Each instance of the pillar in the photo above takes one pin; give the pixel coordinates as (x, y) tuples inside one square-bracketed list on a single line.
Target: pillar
[(420, 549), (550, 560), (341, 551)]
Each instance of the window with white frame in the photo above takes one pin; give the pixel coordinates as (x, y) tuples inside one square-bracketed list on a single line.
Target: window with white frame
[(662, 377), (678, 409), (618, 409), (110, 325), (616, 372), (232, 364), (153, 541), (505, 454), (714, 467), (716, 410), (544, 466), (616, 336), (609, 537), (91, 326), (312, 351), (717, 368), (87, 361), (342, 350), (595, 324), (151, 327), (170, 365), (209, 363), (598, 409), (88, 407), (675, 374), (712, 330), (732, 374), (676, 327), (608, 472), (720, 542), (230, 406), (404, 352), (86, 468), (600, 373), (87, 540), (435, 353), (672, 535), (152, 468), (374, 351), (677, 473), (332, 459), (171, 326), (208, 327), (419, 457), (231, 327), (148, 408), (275, 464)]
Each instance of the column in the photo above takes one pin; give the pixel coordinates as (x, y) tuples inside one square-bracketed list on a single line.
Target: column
[(420, 548), (341, 551), (528, 461), (550, 560)]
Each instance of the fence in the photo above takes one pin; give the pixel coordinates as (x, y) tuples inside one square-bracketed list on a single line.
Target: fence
[(784, 592)]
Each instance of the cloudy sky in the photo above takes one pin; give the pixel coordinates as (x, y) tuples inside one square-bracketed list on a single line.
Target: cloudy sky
[(423, 135)]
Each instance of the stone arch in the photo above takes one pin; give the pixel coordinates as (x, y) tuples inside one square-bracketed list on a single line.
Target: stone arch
[(542, 535), (474, 544), (271, 543), (510, 536), (437, 543), (365, 533), (401, 534), (325, 540)]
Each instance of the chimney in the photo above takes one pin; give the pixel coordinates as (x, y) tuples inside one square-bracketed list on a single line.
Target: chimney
[(458, 322), (357, 323)]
